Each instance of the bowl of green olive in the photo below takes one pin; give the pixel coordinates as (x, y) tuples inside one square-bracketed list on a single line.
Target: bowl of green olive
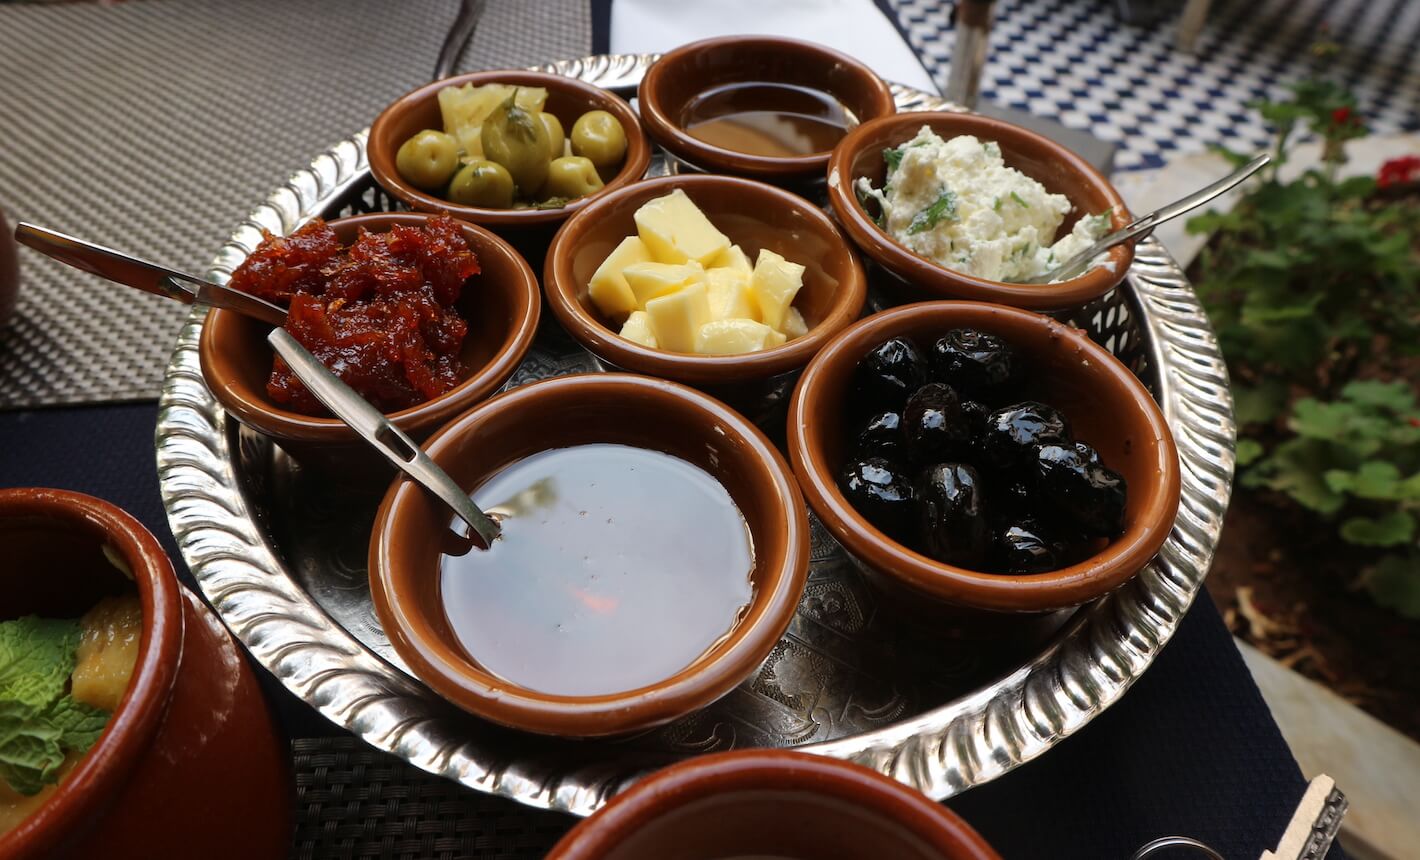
[(506, 148)]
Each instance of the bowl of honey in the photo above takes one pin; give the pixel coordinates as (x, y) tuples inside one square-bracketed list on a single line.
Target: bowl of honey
[(759, 106), (654, 547)]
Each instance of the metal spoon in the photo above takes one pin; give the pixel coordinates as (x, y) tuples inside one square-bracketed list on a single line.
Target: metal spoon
[(381, 433), (1076, 265), (149, 277)]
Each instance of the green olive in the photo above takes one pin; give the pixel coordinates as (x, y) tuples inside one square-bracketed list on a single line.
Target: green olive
[(428, 159), (597, 135), (571, 176), (555, 135), (517, 140), (483, 183)]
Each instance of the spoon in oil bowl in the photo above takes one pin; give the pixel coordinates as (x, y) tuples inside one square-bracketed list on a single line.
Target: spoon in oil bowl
[(381, 434), (143, 275), (1078, 264)]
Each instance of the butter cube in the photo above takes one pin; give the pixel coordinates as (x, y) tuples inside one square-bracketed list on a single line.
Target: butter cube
[(794, 325), (675, 230), (774, 283), (637, 329), (732, 257), (649, 281), (608, 287), (676, 318), (732, 337), (729, 295), (775, 338)]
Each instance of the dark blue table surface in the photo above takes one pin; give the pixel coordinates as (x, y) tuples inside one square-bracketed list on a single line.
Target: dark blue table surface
[(1191, 749)]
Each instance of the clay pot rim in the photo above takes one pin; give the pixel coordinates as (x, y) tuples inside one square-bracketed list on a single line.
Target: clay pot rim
[(100, 774), (443, 665), (256, 411), (586, 328), (381, 154), (663, 123), (703, 777), (936, 280), (1041, 592)]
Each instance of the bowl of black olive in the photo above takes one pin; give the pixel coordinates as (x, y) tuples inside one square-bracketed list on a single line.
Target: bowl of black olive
[(984, 456)]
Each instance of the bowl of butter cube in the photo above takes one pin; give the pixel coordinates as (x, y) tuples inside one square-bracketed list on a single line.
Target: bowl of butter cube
[(725, 284)]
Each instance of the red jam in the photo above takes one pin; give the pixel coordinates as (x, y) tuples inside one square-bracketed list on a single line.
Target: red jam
[(380, 314)]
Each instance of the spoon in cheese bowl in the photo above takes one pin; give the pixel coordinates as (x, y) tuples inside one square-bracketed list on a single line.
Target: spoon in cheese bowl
[(377, 430), (1140, 227)]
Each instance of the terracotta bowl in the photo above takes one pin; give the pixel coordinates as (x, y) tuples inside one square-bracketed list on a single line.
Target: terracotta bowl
[(771, 803), (1052, 165), (753, 215), (502, 305), (191, 747), (683, 74), (1106, 405), (574, 410), (567, 99)]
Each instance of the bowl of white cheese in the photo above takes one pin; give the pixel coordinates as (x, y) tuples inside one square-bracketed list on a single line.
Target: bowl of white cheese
[(961, 206)]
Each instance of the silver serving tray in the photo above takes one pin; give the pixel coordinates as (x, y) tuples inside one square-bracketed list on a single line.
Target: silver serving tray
[(284, 565)]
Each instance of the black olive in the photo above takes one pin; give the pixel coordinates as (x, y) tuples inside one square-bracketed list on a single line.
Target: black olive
[(1013, 433), (1012, 498), (973, 361), (1090, 454), (888, 375), (882, 437), (952, 515), (975, 413), (933, 426), (1088, 494), (879, 491), (1027, 546)]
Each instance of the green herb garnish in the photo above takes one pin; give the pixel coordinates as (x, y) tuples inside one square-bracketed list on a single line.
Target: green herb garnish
[(944, 208), (996, 205), (39, 720), (893, 157), (1016, 197)]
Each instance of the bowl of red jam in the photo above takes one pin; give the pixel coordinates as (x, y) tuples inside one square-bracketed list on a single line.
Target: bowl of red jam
[(422, 314)]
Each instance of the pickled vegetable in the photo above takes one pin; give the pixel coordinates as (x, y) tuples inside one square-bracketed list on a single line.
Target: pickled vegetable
[(882, 437), (1013, 433), (518, 140), (889, 374), (482, 183), (1088, 494), (933, 426), (977, 364), (1027, 546), (428, 159), (571, 177), (598, 135)]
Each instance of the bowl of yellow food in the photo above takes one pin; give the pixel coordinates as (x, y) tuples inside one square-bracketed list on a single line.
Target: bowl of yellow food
[(721, 283), (132, 724)]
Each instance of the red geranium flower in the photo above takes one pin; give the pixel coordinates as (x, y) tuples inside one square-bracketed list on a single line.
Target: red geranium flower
[(1340, 115), (1398, 171)]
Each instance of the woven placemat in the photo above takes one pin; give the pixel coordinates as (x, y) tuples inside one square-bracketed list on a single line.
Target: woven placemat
[(156, 126), (354, 802)]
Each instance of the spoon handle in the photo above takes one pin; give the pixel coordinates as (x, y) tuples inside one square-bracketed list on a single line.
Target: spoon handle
[(1143, 226), (380, 433), (140, 274)]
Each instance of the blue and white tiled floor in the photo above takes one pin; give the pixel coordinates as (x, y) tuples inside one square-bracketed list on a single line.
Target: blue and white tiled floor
[(1075, 62)]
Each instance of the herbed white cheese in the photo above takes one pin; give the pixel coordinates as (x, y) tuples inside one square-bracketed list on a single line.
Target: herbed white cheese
[(957, 203)]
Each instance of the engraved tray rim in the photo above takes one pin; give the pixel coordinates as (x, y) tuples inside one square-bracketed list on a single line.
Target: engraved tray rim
[(969, 741)]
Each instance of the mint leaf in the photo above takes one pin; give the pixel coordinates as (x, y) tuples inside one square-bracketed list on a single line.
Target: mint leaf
[(37, 656), (943, 208), (1248, 450), (79, 725), (30, 754), (1389, 395), (1395, 584), (893, 157)]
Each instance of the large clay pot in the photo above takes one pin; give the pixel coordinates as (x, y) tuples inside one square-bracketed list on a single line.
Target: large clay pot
[(191, 763)]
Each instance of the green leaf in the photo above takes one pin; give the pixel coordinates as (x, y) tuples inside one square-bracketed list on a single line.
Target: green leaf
[(1372, 481), (1295, 467), (1391, 529), (1395, 584), (79, 725), (1396, 396), (943, 208), (30, 754), (1019, 202), (892, 157), (36, 657), (1248, 451), (1260, 404)]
